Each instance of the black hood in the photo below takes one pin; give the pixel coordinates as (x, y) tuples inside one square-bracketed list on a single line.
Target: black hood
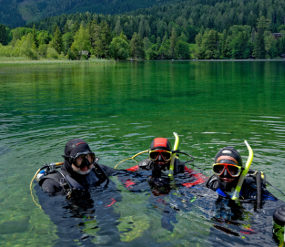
[(75, 146)]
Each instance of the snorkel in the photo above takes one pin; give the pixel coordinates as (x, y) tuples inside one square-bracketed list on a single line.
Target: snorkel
[(235, 195), (131, 158), (175, 148)]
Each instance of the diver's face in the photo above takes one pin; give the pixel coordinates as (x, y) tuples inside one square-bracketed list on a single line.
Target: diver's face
[(160, 157), (83, 164), (226, 176)]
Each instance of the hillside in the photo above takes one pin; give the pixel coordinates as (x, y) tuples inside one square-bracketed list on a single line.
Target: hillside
[(20, 12)]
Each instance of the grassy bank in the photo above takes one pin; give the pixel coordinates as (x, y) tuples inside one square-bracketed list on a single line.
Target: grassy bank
[(16, 60)]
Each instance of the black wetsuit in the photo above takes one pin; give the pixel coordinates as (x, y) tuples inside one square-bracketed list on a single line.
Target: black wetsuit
[(87, 214), (248, 191), (241, 222), (64, 179), (162, 185)]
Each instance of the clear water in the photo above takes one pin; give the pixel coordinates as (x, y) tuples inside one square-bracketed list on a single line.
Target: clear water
[(118, 108)]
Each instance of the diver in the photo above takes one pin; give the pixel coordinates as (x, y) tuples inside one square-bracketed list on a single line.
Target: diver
[(241, 194), (163, 165), (79, 171), (228, 169), (79, 197), (165, 174)]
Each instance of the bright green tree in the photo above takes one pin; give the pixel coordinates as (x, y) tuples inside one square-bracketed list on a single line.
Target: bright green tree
[(119, 47), (81, 45), (27, 46), (67, 40), (43, 37)]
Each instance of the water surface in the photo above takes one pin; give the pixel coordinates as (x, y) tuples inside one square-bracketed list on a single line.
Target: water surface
[(118, 108)]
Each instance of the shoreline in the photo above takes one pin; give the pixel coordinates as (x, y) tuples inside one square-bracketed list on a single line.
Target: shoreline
[(20, 60), (3, 60)]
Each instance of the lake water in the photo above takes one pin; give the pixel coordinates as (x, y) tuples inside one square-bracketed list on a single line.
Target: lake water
[(118, 108)]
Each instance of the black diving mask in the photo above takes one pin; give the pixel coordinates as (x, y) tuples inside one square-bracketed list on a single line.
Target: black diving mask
[(84, 159)]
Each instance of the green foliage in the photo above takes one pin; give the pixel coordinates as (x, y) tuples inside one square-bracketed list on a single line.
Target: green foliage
[(238, 42), (119, 47), (81, 45), (182, 50), (101, 38), (271, 45), (259, 43), (42, 50), (43, 37), (4, 35), (173, 43), (26, 47), (137, 47), (67, 40), (181, 30), (56, 41), (19, 32), (51, 53), (164, 51), (209, 45)]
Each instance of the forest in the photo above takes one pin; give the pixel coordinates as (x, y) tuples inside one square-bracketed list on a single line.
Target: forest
[(193, 29)]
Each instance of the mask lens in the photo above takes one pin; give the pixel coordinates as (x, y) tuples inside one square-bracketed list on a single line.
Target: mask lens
[(84, 159), (233, 170), (165, 155), (218, 168), (153, 155)]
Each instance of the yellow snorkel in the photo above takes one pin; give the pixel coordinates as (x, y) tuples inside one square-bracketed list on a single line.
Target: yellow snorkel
[(131, 158), (175, 148), (235, 196)]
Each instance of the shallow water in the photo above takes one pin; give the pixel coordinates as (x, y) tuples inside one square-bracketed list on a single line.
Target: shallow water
[(118, 108)]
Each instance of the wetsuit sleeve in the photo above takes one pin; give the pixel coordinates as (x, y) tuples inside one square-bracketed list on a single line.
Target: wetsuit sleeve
[(109, 171), (51, 187), (179, 166), (249, 190)]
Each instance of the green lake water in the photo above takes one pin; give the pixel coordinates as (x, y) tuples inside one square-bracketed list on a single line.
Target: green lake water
[(118, 108)]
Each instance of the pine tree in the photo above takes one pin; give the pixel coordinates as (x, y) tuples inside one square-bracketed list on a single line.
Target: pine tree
[(56, 41), (4, 36), (173, 43), (136, 47), (259, 44)]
